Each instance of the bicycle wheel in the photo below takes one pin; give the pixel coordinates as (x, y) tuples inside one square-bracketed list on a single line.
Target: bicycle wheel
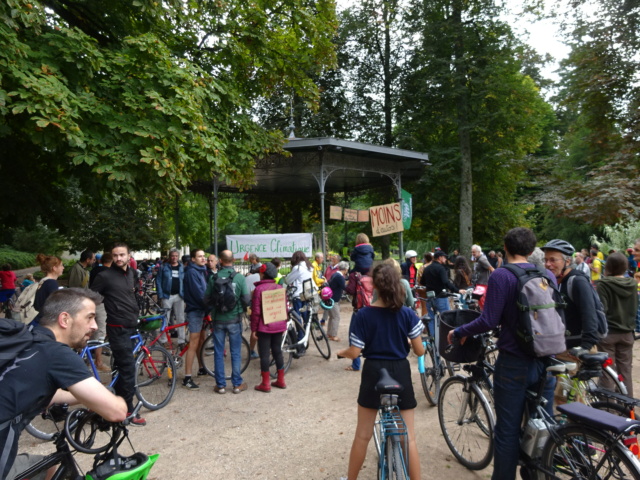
[(155, 377), (207, 356), (320, 338), (431, 376), (397, 468), (44, 428), (287, 355), (466, 422), (581, 449)]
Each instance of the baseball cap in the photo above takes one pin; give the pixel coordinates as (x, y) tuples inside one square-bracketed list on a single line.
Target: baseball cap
[(269, 270), (439, 254)]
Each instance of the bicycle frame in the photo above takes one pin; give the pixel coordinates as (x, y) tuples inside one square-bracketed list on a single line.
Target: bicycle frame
[(85, 353), (390, 424)]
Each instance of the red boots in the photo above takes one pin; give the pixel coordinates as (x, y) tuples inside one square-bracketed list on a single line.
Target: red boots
[(279, 383), (264, 386)]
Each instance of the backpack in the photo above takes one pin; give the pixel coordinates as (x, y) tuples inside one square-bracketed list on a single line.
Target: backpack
[(602, 325), (26, 300), (540, 329), (15, 337), (362, 288), (223, 296)]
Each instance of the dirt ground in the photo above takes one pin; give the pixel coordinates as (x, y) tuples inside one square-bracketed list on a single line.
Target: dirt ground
[(304, 431)]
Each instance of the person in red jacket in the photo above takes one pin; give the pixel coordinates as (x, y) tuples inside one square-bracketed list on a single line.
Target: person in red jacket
[(269, 335)]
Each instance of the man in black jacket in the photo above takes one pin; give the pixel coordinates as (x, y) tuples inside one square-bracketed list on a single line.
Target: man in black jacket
[(117, 286), (436, 279)]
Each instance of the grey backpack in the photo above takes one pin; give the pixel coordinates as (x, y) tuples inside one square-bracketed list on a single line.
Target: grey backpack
[(540, 328)]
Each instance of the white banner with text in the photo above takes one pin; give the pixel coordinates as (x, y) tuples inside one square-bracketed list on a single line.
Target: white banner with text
[(270, 245)]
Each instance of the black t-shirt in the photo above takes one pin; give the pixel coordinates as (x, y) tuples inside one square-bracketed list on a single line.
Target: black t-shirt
[(175, 280), (436, 278), (46, 289), (27, 385)]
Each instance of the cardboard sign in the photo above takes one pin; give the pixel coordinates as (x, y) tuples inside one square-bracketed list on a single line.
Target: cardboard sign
[(386, 219), (335, 213), (274, 306), (363, 215), (350, 215)]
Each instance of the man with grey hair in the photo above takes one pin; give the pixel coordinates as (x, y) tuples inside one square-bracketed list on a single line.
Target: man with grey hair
[(170, 287), (581, 265), (337, 284), (36, 377), (482, 268)]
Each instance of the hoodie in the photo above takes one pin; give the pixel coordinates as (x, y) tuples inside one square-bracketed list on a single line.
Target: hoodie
[(619, 297), (195, 285), (363, 256)]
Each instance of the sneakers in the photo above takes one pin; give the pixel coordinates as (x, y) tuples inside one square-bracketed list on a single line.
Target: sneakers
[(240, 388), (137, 421), (220, 390), (201, 372), (254, 355), (189, 384)]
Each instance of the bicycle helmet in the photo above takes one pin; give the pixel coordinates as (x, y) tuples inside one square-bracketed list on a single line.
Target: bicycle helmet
[(410, 254), (561, 246), (326, 301), (135, 467)]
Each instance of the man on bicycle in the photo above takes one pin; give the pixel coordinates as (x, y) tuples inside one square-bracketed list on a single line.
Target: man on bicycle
[(515, 370), (436, 279), (38, 374)]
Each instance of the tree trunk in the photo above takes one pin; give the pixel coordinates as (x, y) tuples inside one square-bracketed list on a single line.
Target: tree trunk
[(462, 106)]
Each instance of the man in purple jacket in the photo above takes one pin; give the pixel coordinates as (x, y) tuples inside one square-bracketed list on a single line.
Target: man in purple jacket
[(515, 371)]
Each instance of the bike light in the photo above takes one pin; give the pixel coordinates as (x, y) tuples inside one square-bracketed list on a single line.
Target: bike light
[(607, 363)]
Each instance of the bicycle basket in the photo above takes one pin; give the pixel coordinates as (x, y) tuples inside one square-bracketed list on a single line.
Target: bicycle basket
[(472, 348), (135, 467), (149, 324)]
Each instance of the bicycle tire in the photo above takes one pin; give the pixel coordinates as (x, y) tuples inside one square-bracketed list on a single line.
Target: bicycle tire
[(207, 356), (471, 438), (399, 469), (567, 455), (431, 377), (320, 338), (287, 355), (42, 428), (155, 377)]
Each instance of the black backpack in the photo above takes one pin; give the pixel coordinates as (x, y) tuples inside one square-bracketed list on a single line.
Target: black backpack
[(223, 297), (602, 324), (15, 337), (540, 328)]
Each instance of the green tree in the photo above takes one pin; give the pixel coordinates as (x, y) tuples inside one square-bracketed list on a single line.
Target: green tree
[(469, 105)]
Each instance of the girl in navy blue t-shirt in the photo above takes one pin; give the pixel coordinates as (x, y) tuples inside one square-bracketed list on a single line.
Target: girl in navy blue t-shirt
[(384, 333)]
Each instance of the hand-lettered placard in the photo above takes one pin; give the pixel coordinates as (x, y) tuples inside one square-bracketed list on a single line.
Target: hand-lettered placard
[(274, 306)]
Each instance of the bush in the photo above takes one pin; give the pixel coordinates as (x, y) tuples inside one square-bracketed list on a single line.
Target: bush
[(38, 239), (18, 260)]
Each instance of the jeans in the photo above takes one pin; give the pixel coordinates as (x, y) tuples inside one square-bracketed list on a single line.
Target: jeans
[(433, 304), (297, 305), (220, 331), (513, 376)]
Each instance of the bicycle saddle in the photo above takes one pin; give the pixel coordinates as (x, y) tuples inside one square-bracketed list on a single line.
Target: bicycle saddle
[(594, 358), (387, 384)]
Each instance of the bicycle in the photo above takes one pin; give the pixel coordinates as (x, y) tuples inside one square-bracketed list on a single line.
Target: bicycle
[(431, 366), (291, 346), (206, 351), (390, 431), (84, 431)]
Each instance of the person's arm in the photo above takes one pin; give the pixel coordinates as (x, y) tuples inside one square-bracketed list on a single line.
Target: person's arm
[(256, 309), (293, 275), (159, 283), (245, 295), (352, 352), (409, 301), (91, 393), (485, 263), (444, 278), (417, 346)]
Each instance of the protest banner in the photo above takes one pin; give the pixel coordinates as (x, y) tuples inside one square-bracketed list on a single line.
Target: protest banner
[(270, 245)]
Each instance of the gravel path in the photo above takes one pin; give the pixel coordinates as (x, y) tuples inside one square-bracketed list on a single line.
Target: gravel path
[(303, 432)]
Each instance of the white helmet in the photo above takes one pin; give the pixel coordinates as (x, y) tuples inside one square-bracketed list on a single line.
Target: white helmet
[(410, 253)]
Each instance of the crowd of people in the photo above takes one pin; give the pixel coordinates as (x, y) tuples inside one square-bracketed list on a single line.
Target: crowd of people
[(384, 327)]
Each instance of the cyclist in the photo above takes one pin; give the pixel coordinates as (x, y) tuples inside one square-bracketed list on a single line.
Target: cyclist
[(35, 378), (580, 313), (515, 371), (409, 269), (436, 279), (380, 332)]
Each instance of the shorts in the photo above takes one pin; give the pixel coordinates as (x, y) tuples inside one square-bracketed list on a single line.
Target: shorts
[(400, 370), (23, 462), (195, 319)]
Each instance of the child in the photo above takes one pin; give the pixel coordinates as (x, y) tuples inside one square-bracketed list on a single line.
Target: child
[(362, 254), (28, 280), (337, 284)]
